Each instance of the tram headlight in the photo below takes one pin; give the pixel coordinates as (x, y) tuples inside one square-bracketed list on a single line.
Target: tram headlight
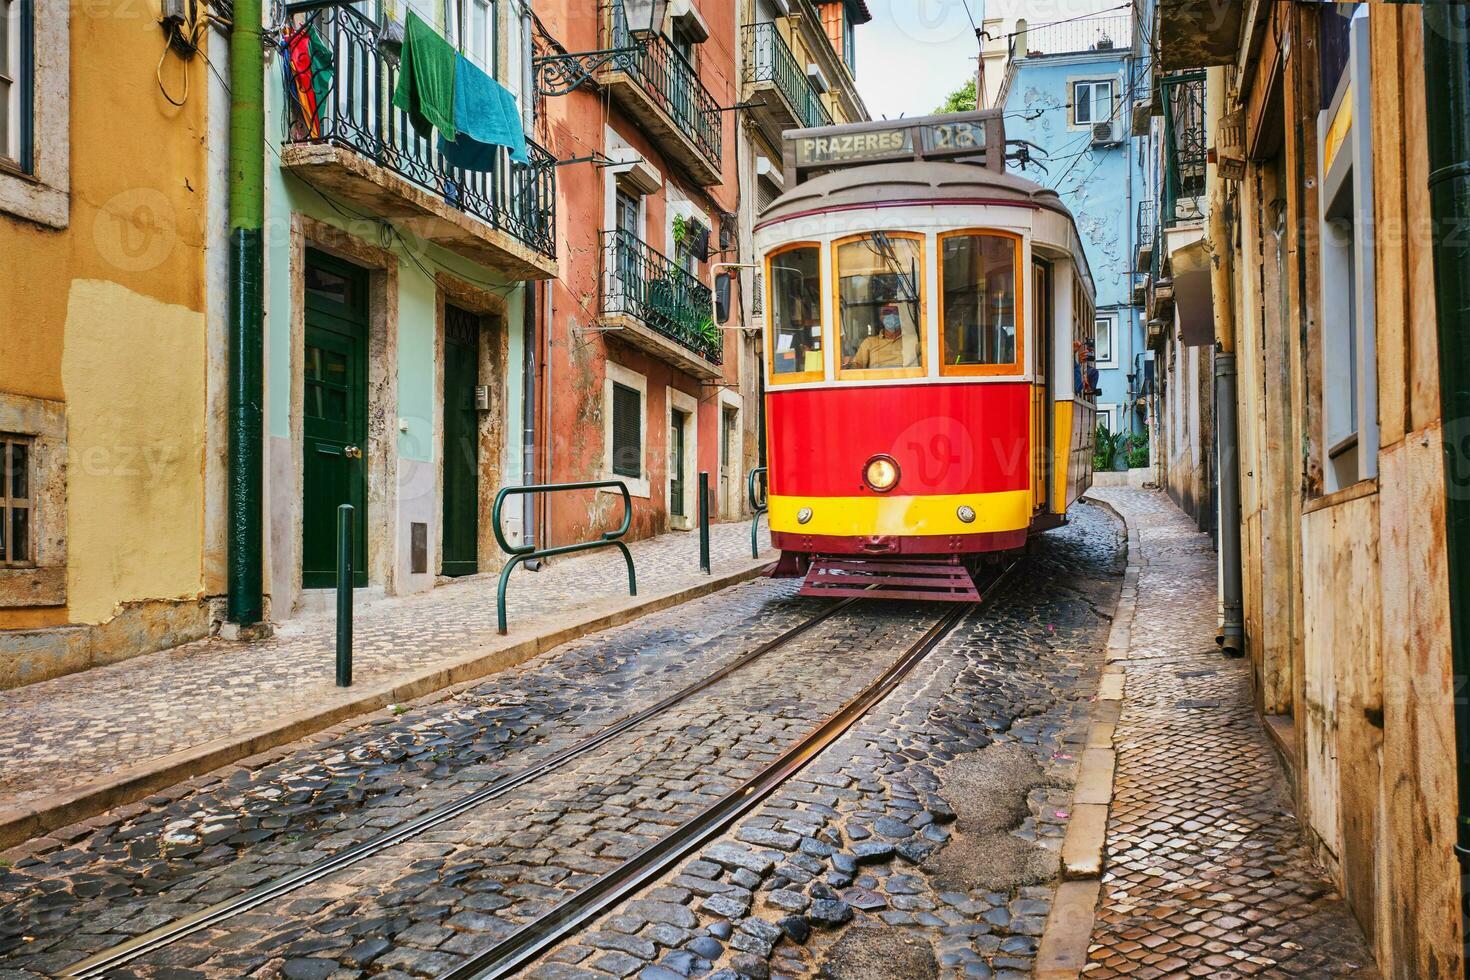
[(804, 515), (881, 473), (966, 514)]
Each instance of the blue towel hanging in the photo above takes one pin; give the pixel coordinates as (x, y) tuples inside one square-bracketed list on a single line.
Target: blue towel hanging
[(486, 116)]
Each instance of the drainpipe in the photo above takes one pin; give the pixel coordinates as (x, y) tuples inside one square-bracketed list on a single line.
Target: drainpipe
[(529, 335), (1447, 98), (246, 355), (1227, 448)]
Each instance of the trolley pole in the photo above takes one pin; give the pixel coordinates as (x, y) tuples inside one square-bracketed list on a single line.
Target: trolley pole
[(704, 521), (344, 595)]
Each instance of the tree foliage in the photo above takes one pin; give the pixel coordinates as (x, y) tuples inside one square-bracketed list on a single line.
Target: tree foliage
[(961, 99)]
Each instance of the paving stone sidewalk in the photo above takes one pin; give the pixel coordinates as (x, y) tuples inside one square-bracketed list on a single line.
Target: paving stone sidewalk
[(1206, 874), (65, 733)]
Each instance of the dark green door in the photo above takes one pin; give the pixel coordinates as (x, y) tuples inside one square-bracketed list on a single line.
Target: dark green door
[(334, 417), (461, 442), (676, 463)]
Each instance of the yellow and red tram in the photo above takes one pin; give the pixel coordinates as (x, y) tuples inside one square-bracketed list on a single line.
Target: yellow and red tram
[(928, 325)]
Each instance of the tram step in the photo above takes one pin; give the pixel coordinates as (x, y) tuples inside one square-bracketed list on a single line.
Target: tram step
[(934, 581)]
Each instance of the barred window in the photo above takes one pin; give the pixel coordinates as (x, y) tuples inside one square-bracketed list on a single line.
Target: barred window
[(17, 527)]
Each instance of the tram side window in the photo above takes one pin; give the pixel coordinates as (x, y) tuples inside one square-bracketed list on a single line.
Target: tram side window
[(795, 278), (979, 315), (879, 276)]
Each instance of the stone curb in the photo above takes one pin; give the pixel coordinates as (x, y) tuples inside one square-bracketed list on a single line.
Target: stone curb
[(20, 824), (1062, 953)]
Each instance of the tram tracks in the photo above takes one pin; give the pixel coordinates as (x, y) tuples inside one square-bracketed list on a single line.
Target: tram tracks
[(628, 877)]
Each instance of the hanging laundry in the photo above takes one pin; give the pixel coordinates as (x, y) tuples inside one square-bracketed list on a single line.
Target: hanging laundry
[(426, 79), (487, 116), (310, 65)]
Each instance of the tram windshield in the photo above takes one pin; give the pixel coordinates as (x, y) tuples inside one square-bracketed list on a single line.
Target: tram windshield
[(795, 278), (880, 316), (978, 316)]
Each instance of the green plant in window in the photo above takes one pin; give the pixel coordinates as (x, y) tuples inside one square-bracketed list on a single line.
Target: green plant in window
[(681, 229), (709, 333)]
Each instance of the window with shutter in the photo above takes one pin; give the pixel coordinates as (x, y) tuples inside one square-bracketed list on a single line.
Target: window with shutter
[(627, 436)]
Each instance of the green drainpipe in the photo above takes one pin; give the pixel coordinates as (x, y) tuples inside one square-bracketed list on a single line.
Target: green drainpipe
[(1447, 95), (247, 348)]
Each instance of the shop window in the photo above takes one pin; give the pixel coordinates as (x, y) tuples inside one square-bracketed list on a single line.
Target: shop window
[(1349, 361), (880, 309)]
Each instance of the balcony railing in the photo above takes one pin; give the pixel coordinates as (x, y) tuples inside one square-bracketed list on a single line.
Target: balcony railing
[(357, 114), (671, 82), (642, 283), (1074, 37), (769, 59), (1184, 147)]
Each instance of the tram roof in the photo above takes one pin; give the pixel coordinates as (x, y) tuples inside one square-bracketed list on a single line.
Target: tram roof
[(917, 182)]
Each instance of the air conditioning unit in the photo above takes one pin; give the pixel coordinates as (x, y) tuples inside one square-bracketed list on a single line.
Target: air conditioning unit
[(1102, 134)]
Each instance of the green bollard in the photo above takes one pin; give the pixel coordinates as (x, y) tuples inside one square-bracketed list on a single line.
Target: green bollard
[(344, 595)]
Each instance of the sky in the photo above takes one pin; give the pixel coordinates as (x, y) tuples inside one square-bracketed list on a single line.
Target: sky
[(915, 52)]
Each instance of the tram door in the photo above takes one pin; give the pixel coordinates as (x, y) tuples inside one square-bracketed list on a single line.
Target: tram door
[(1042, 423)]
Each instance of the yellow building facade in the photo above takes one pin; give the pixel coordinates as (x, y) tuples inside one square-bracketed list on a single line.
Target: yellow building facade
[(104, 341)]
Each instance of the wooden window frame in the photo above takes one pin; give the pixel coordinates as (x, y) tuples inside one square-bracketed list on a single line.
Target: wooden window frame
[(834, 330), (791, 377), (8, 504), (1014, 368)]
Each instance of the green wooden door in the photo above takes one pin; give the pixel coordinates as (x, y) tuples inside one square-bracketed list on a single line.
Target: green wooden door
[(676, 463), (461, 443), (334, 425)]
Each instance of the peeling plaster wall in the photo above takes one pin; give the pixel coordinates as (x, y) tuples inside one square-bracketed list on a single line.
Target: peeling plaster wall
[(105, 317)]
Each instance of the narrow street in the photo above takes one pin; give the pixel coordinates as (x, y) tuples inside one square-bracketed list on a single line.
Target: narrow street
[(975, 752)]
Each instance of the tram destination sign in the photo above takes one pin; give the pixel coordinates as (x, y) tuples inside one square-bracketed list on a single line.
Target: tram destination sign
[(973, 135)]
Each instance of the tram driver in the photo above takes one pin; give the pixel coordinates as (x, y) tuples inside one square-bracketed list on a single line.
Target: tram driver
[(884, 348)]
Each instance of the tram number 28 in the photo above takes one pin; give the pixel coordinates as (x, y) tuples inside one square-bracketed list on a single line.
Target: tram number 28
[(954, 136)]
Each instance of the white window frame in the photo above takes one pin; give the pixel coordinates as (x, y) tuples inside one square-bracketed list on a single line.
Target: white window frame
[(1091, 102), (689, 405), (1349, 344), (1108, 413), (1111, 319), (616, 373), (43, 194)]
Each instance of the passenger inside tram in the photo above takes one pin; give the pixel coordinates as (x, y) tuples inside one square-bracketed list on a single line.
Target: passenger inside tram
[(879, 311)]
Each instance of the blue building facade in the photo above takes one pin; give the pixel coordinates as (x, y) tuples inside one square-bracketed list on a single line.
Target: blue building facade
[(1071, 90)]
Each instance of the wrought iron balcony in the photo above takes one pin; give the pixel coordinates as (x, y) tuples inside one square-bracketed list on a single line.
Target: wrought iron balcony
[(643, 288), (1184, 148), (354, 142), (662, 91), (1144, 235), (775, 82)]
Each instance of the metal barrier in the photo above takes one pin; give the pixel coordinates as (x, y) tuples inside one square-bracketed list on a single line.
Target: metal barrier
[(528, 552), (757, 506)]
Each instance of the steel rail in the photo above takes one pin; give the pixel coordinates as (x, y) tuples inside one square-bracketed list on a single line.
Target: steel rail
[(521, 948), (99, 964)]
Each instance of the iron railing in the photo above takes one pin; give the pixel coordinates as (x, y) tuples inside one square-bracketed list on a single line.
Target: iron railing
[(642, 283), (768, 58), (1184, 148), (517, 198), (671, 82), (1072, 37), (1146, 224)]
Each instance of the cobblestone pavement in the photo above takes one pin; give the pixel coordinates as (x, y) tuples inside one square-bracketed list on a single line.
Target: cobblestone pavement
[(1206, 873), (74, 729), (923, 843)]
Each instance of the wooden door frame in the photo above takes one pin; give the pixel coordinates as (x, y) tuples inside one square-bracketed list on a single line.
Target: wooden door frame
[(492, 310), (287, 489)]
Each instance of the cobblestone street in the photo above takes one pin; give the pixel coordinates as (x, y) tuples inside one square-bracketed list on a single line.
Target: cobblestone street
[(84, 727), (929, 832), (1206, 871)]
